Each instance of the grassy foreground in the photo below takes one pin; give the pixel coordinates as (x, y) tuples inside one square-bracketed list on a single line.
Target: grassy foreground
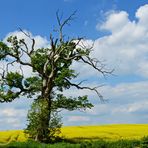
[(120, 134)]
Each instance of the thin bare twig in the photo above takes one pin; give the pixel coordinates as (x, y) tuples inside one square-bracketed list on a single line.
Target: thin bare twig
[(33, 42), (86, 87)]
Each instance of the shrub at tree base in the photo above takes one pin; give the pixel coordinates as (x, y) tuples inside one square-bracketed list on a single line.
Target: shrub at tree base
[(36, 120), (144, 142)]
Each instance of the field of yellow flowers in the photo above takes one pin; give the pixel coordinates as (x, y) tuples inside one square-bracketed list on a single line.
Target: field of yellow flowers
[(105, 132)]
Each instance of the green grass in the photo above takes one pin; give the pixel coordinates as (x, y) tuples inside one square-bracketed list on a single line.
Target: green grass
[(143, 143), (81, 144)]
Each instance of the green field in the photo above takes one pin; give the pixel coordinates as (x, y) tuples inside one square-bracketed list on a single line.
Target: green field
[(104, 134)]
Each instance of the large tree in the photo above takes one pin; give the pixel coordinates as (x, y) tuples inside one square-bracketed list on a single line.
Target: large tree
[(53, 73)]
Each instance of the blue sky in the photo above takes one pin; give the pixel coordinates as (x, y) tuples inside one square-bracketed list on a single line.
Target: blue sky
[(119, 29), (39, 16)]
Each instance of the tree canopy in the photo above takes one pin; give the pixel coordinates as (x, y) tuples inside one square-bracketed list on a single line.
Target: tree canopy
[(52, 72)]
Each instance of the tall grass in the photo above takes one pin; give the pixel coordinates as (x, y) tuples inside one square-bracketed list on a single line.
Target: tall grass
[(82, 144)]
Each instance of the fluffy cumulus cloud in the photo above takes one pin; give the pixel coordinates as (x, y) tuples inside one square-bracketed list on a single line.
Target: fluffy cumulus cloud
[(115, 21), (12, 118), (78, 118), (126, 50), (127, 103), (13, 115), (126, 46)]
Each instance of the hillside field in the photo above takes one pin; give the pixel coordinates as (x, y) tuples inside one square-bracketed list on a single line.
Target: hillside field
[(105, 132)]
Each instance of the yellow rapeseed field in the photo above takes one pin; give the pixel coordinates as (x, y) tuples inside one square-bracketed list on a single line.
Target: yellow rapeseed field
[(106, 132), (12, 135)]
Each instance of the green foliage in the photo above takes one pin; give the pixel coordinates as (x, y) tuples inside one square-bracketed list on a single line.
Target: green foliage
[(15, 45), (79, 144), (144, 142), (71, 103), (37, 117), (108, 144), (63, 73), (14, 79), (14, 84), (8, 96), (33, 84), (38, 59), (4, 50)]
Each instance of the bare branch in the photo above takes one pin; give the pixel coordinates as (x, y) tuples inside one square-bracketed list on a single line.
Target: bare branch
[(18, 60), (33, 42), (21, 70), (86, 87), (7, 66), (32, 49), (52, 43), (27, 49), (26, 34), (94, 63), (65, 22), (58, 18)]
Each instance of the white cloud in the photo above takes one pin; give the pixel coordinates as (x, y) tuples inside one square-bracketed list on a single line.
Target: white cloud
[(10, 123), (99, 109), (78, 118), (12, 112), (141, 14), (13, 115), (126, 47), (133, 108), (143, 68), (126, 92), (128, 103), (115, 21), (27, 71)]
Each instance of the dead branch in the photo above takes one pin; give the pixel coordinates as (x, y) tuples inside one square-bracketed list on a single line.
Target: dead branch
[(86, 87), (32, 39), (63, 23), (94, 63)]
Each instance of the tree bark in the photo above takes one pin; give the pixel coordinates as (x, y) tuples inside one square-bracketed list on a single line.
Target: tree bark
[(46, 108)]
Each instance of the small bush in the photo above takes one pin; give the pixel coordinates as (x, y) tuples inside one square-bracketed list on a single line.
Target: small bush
[(37, 126), (144, 142)]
